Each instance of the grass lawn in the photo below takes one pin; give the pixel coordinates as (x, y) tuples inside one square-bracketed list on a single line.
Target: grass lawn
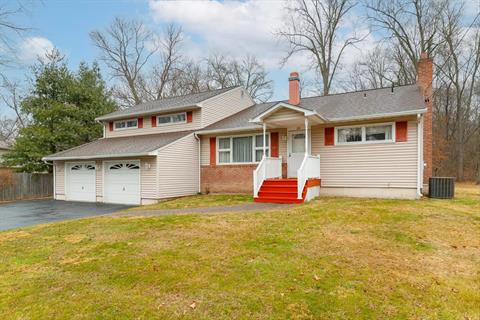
[(211, 200), (334, 258)]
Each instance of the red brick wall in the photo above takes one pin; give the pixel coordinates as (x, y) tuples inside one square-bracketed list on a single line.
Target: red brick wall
[(424, 80), (230, 178)]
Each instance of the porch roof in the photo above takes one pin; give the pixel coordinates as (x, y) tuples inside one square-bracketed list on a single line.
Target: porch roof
[(142, 145)]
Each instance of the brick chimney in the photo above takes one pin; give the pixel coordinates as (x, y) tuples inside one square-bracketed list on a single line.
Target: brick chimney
[(294, 88), (424, 80)]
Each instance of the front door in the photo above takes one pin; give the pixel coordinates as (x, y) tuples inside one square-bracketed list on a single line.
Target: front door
[(296, 152)]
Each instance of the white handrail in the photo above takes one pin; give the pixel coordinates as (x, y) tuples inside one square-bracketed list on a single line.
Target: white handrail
[(310, 168), (267, 168)]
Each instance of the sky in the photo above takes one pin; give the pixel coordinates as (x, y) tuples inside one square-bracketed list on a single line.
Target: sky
[(234, 28)]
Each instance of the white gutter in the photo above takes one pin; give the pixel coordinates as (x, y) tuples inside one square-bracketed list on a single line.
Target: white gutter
[(380, 115), (419, 154), (100, 156), (199, 163), (257, 127)]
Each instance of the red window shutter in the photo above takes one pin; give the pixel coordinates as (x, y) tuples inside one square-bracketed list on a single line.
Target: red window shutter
[(274, 144), (213, 151), (154, 121), (329, 136), (140, 123), (401, 128), (189, 116), (110, 126)]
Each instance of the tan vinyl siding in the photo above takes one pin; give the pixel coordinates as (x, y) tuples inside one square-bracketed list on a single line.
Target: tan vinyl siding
[(205, 150), (284, 114), (224, 105), (282, 144), (148, 178), (178, 171), (59, 177), (382, 165), (148, 129)]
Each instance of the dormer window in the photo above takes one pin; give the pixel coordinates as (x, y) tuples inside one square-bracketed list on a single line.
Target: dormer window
[(126, 124), (172, 119)]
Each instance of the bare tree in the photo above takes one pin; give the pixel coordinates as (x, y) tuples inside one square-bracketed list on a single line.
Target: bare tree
[(9, 31), (128, 48), (163, 74), (458, 69), (313, 27), (413, 25), (222, 72), (375, 69), (125, 50)]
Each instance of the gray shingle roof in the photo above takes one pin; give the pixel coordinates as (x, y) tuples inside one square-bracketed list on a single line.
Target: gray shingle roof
[(366, 103), (358, 104), (167, 104), (119, 147)]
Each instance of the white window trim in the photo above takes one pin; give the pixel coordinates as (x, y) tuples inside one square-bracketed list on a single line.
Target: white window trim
[(171, 115), (364, 135), (126, 128), (254, 148)]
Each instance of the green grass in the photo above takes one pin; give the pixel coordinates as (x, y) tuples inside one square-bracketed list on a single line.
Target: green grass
[(197, 202), (334, 258)]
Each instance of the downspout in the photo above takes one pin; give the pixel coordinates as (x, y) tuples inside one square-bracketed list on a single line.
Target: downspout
[(419, 154), (199, 163)]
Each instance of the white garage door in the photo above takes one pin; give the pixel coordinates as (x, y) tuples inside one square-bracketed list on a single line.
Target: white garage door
[(122, 182), (80, 181)]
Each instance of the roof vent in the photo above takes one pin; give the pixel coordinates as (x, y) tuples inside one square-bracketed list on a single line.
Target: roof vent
[(391, 88), (364, 94)]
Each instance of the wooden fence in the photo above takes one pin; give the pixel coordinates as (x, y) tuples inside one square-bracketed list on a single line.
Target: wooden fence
[(21, 186)]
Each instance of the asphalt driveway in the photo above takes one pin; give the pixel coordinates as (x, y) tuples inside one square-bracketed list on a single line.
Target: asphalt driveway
[(25, 213)]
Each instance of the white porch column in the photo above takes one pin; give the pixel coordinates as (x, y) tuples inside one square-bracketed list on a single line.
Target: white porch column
[(264, 140), (306, 136)]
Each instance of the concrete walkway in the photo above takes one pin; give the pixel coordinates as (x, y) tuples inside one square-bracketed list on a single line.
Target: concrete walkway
[(252, 206)]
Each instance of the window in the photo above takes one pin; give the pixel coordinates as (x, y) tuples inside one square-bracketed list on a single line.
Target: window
[(126, 124), (172, 118), (365, 134), (242, 149), (378, 133), (346, 135)]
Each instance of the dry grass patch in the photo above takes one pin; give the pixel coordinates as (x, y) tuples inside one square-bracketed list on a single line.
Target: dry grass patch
[(199, 201), (334, 258)]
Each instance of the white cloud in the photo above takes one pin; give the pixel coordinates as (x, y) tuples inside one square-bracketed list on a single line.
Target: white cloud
[(234, 27), (33, 47)]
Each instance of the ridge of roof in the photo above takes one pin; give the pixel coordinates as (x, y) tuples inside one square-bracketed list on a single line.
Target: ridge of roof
[(167, 104)]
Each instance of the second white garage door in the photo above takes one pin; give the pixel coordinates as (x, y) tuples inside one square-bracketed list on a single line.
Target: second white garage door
[(122, 182)]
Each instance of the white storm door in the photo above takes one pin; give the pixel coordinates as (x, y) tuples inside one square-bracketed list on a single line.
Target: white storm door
[(122, 182), (296, 152), (80, 182)]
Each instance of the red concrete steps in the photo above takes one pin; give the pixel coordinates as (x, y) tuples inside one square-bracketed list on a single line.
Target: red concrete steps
[(279, 191)]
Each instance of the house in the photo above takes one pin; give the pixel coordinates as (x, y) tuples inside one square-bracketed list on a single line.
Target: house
[(372, 143), (4, 148)]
